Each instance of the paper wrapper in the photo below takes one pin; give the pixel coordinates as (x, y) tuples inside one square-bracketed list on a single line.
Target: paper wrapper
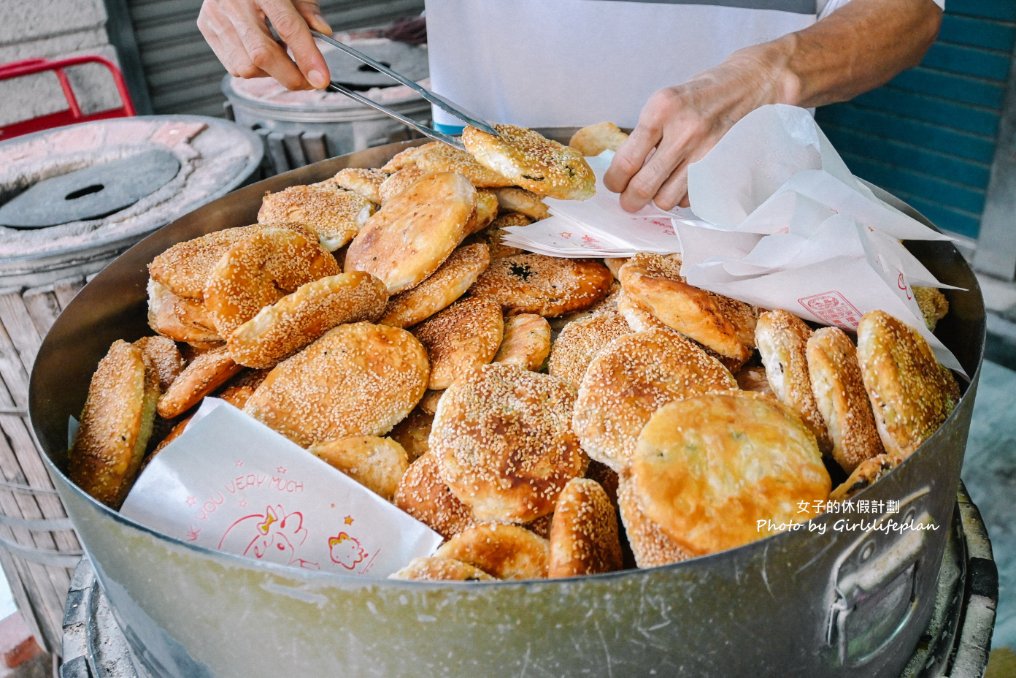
[(776, 220), (232, 484)]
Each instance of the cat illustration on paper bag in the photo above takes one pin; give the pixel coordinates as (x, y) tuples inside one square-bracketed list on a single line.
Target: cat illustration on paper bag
[(346, 550), (274, 535)]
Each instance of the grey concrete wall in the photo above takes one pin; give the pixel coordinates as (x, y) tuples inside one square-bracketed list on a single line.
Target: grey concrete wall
[(50, 29)]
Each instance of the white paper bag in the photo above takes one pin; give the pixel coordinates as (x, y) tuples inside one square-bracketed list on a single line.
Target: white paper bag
[(231, 483)]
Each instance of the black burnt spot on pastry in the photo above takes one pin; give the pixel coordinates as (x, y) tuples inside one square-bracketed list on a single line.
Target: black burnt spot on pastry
[(521, 271)]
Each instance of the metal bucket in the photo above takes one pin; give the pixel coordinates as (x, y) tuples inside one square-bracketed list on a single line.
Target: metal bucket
[(843, 602)]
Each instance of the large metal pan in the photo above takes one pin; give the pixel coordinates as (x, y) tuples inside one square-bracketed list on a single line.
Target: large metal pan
[(822, 601)]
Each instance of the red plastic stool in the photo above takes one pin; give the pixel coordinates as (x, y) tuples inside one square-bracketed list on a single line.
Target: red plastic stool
[(72, 113)]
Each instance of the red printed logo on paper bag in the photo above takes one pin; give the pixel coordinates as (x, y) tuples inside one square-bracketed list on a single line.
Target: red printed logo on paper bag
[(832, 308)]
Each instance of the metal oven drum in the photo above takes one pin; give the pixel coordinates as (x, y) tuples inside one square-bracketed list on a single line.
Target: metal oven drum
[(821, 601)]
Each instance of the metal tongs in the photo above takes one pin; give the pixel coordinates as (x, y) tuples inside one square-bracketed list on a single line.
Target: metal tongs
[(436, 99)]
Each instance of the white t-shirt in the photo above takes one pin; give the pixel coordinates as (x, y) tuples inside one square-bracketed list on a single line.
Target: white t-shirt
[(544, 63)]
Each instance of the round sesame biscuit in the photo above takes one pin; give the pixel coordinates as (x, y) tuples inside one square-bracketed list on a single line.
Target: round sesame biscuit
[(365, 181), (723, 469), (911, 394), (397, 182), (238, 390), (839, 392), (334, 215), (412, 433), (460, 339), (484, 213), (435, 156), (439, 290), (376, 463), (184, 267), (720, 323), (163, 358), (630, 379), (434, 568), (597, 138), (177, 318), (782, 340), (615, 264), (867, 473), (526, 341), (549, 286), (412, 234), (429, 401), (115, 425), (260, 270), (495, 232), (580, 341), (641, 319), (520, 201), (504, 443), (649, 543), (933, 304), (204, 374), (357, 379), (583, 536), (283, 328), (502, 551), (423, 494), (530, 160)]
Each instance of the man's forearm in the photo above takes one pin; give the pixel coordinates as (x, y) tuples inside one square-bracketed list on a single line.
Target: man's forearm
[(855, 49)]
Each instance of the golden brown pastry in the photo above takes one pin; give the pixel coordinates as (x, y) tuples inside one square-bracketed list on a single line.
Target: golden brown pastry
[(534, 283), (583, 537), (865, 475), (357, 379), (204, 374), (162, 357), (398, 182), (493, 234), (502, 551), (376, 463), (335, 215), (723, 469), (839, 392), (412, 433), (366, 181), (413, 233), (782, 340), (504, 442), (435, 156), (526, 341), (460, 339), (597, 138), (580, 341), (116, 423), (449, 282), (260, 270), (423, 494), (629, 380), (300, 317), (521, 201), (530, 160), (434, 568), (720, 323), (910, 392), (649, 543), (483, 213), (178, 318), (933, 304)]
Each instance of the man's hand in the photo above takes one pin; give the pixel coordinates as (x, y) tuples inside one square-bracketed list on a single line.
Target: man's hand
[(858, 47), (678, 125), (238, 33)]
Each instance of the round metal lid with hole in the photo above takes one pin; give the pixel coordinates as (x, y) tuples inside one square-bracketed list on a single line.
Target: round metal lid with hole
[(91, 192)]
